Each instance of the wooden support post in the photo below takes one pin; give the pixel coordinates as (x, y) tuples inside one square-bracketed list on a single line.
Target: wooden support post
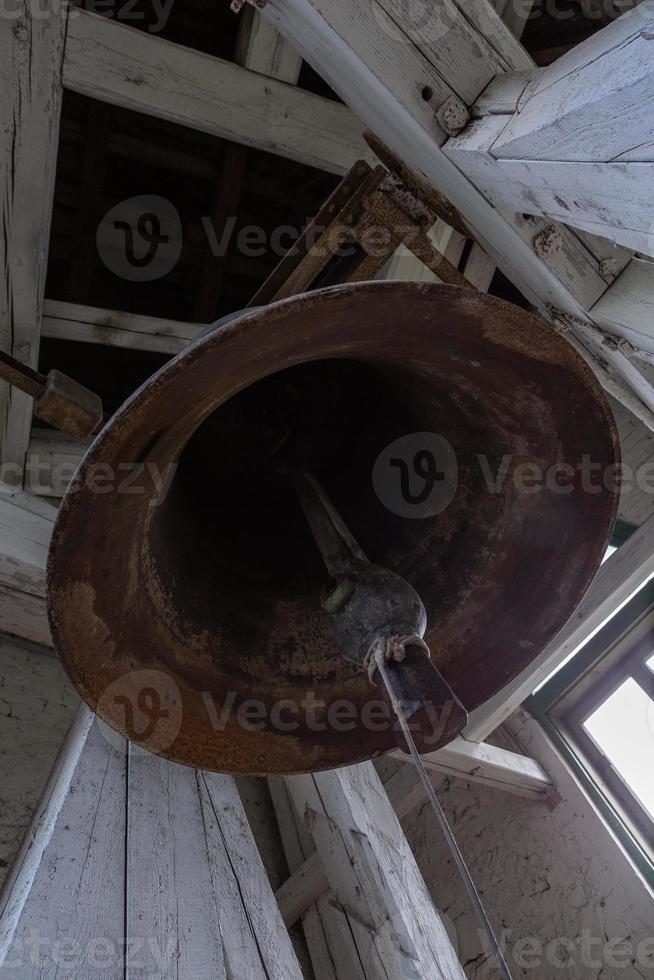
[(373, 875), (578, 143), (480, 763), (150, 869), (31, 52), (327, 929)]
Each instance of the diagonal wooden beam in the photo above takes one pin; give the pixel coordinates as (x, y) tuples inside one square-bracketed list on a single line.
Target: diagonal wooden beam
[(402, 87)]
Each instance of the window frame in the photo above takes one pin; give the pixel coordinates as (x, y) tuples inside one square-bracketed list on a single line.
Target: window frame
[(618, 651)]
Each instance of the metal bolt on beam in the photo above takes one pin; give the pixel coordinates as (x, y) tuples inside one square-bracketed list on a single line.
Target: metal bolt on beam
[(453, 116)]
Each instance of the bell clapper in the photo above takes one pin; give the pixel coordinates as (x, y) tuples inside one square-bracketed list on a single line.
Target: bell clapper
[(379, 622), (372, 607)]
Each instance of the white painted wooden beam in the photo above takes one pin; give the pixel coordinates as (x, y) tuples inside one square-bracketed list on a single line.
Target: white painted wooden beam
[(108, 61), (261, 48), (196, 880), (377, 68), (26, 524), (306, 886), (578, 143), (480, 763), (52, 459), (617, 580), (114, 328), (31, 52), (145, 866), (611, 199), (627, 308), (24, 870), (386, 75), (327, 929), (373, 875), (489, 765), (593, 103)]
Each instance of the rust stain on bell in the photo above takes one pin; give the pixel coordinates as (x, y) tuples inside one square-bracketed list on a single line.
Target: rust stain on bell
[(185, 594)]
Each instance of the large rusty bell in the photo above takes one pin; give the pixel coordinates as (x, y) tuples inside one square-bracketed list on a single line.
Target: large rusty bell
[(184, 583)]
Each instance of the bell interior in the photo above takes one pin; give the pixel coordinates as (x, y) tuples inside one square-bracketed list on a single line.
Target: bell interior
[(220, 580)]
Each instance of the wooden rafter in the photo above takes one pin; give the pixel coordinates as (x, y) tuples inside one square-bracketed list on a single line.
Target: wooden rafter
[(108, 61)]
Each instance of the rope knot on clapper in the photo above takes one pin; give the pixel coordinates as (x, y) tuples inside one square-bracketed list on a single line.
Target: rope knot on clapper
[(389, 648)]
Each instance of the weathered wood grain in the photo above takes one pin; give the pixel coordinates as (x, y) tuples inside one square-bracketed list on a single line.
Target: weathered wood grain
[(326, 928), (615, 200), (170, 902), (372, 873), (627, 308), (76, 905), (594, 103), (261, 48), (31, 52), (115, 328), (382, 81), (108, 61), (25, 530), (26, 866)]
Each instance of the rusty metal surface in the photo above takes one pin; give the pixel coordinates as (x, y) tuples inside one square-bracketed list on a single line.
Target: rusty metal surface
[(213, 589), (414, 193)]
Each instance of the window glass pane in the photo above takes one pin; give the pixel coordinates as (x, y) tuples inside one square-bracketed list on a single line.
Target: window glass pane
[(609, 551), (623, 728)]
